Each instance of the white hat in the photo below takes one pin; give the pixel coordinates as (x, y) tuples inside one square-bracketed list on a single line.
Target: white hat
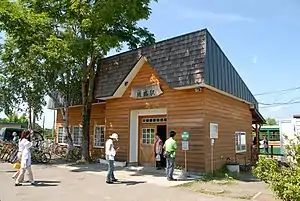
[(114, 136)]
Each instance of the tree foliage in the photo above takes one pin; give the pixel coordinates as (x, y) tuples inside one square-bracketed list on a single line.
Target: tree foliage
[(14, 118), (65, 39), (271, 121), (284, 180)]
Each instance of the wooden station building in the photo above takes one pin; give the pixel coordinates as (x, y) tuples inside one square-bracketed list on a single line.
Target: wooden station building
[(184, 84)]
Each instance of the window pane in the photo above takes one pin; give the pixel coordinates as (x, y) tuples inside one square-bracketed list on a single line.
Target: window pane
[(243, 138), (99, 135)]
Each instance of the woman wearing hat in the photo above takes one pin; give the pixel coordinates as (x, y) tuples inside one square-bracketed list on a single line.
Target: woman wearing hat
[(110, 153)]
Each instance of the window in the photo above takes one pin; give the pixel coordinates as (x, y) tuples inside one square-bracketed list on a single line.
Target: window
[(99, 133), (76, 135), (240, 142), (148, 135), (274, 136), (61, 137), (154, 120)]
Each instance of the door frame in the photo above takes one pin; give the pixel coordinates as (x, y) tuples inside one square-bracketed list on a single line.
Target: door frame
[(134, 130)]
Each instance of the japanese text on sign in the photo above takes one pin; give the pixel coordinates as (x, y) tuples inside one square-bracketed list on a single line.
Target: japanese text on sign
[(146, 91), (185, 145)]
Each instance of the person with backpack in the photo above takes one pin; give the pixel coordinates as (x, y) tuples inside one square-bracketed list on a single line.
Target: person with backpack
[(170, 148)]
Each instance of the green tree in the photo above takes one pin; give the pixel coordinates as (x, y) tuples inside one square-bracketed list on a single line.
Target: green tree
[(14, 118), (271, 121), (75, 31)]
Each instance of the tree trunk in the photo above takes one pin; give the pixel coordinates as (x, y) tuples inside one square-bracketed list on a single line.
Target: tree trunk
[(87, 98), (67, 134), (33, 118), (86, 113), (30, 116)]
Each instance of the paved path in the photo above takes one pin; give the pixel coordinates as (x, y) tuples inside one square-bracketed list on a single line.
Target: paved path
[(61, 184)]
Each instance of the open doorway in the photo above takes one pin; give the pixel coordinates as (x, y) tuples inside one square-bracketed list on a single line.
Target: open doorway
[(162, 132)]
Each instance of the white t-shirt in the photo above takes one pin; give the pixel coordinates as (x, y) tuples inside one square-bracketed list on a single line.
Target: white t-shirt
[(110, 154)]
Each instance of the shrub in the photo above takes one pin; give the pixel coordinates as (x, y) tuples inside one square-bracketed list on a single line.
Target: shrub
[(283, 180)]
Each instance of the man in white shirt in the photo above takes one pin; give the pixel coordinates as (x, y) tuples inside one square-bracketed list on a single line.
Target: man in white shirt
[(110, 153)]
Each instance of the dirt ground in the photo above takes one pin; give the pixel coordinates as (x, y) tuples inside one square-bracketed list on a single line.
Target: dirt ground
[(247, 188), (68, 182)]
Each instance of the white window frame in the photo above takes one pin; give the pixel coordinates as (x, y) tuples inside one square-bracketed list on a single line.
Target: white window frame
[(238, 134), (79, 135), (63, 137), (94, 142), (150, 137)]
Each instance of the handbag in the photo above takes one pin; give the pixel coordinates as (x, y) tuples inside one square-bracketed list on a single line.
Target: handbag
[(17, 165), (157, 157)]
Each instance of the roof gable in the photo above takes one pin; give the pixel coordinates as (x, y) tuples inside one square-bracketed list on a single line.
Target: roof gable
[(178, 61)]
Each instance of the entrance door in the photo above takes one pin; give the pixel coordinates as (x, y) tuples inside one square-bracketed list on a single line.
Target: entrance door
[(148, 127), (146, 146)]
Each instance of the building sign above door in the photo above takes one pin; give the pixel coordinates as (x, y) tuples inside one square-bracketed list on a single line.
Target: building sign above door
[(146, 91)]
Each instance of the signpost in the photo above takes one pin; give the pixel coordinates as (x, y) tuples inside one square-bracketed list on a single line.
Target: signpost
[(185, 146), (213, 134)]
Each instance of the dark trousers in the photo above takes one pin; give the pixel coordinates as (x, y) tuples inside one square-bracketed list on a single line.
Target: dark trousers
[(159, 164)]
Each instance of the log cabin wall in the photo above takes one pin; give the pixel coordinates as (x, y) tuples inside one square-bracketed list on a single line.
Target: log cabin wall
[(75, 119), (231, 115), (184, 113)]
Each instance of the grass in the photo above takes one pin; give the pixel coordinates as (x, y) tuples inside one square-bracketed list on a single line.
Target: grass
[(218, 178), (221, 174)]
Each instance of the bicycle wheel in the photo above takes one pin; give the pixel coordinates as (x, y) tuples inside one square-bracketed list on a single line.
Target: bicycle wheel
[(46, 157), (64, 151)]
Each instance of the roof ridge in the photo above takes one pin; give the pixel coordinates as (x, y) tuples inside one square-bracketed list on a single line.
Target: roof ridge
[(158, 42)]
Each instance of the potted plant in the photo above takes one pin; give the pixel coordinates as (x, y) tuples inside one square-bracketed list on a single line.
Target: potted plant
[(232, 166)]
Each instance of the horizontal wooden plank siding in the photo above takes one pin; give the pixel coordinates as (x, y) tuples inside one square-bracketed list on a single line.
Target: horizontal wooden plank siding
[(231, 115), (75, 119), (184, 113)]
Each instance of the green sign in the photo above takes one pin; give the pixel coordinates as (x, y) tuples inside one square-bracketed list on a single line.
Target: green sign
[(185, 136)]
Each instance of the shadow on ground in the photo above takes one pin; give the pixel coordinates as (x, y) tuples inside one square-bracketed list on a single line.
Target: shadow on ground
[(131, 183), (133, 171), (42, 183), (144, 171)]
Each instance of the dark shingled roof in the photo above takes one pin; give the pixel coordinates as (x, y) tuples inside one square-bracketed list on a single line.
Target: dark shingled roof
[(179, 62)]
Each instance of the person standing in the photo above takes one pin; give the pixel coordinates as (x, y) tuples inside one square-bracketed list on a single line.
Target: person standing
[(110, 153), (158, 150), (266, 145), (170, 147), (25, 159)]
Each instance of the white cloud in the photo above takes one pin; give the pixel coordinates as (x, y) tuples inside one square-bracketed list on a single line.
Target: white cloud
[(228, 17)]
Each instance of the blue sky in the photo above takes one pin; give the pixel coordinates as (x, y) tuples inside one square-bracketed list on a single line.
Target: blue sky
[(260, 38)]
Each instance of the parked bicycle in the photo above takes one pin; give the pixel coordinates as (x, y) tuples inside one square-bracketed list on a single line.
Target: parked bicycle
[(39, 156), (75, 154)]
